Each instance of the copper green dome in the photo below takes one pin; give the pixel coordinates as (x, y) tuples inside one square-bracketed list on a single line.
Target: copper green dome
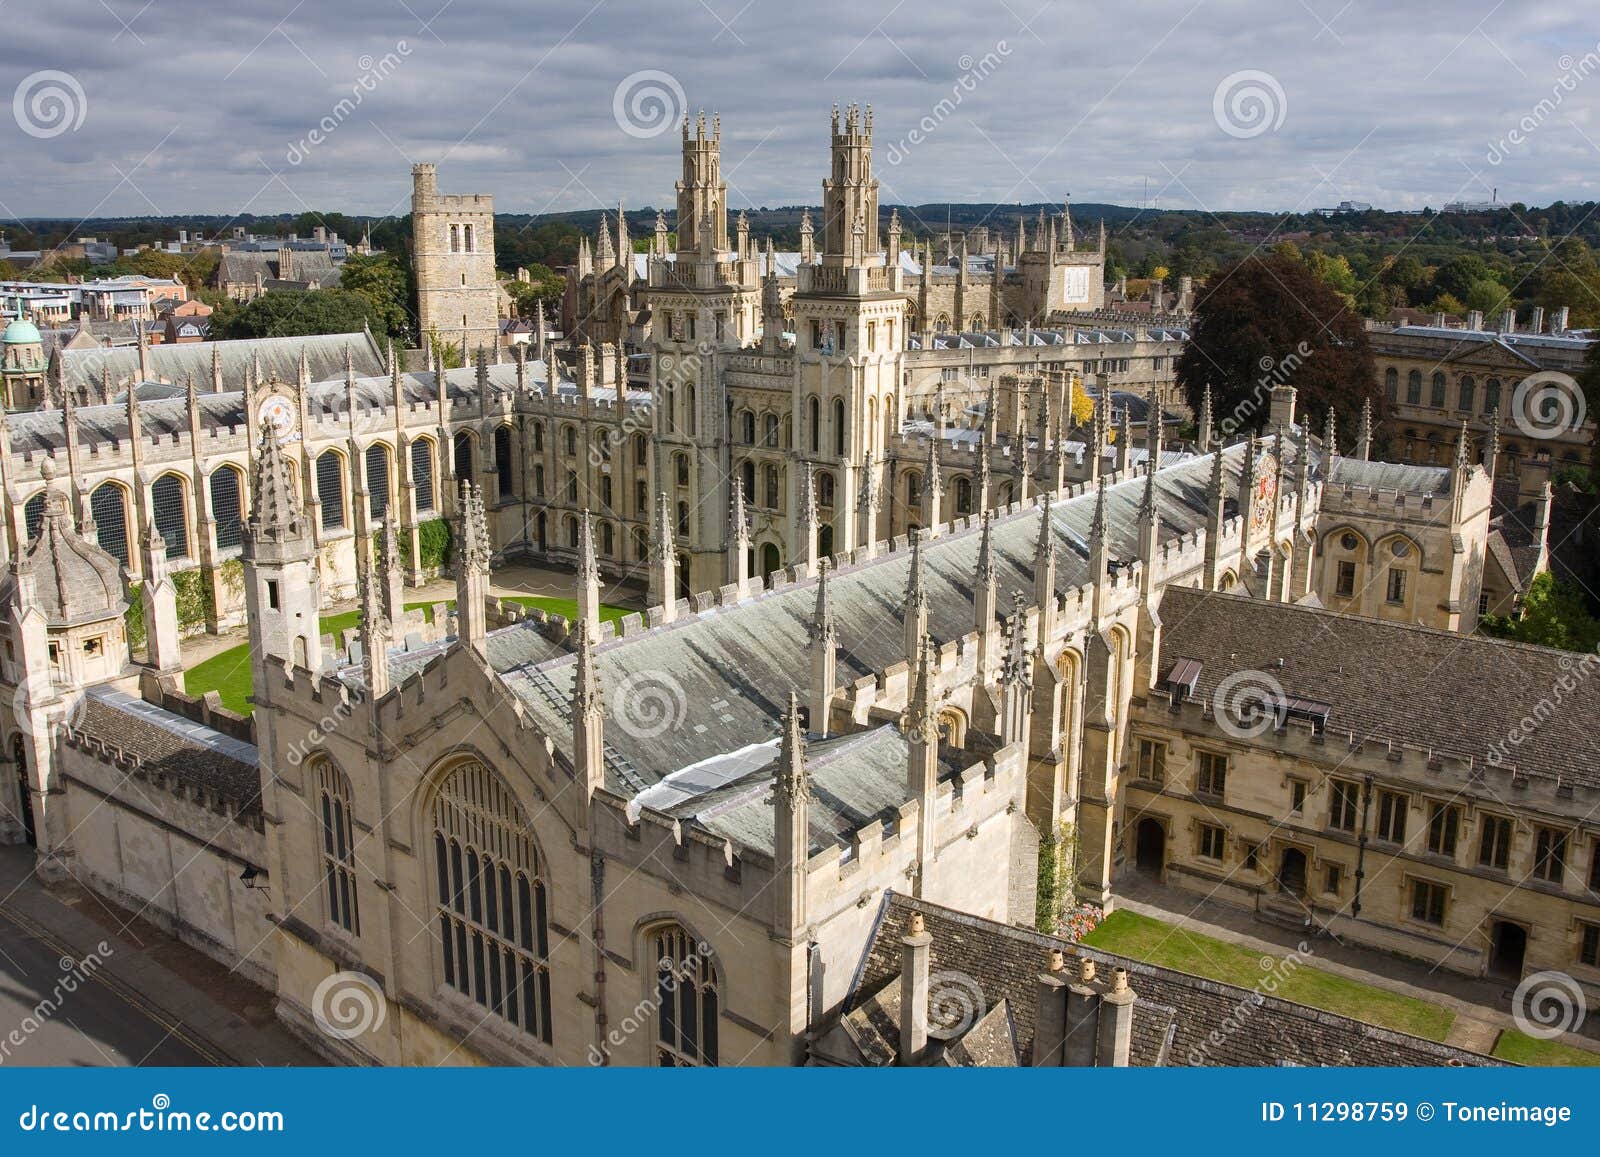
[(21, 332)]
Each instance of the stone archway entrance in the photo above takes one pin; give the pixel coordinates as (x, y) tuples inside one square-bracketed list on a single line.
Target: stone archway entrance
[(1292, 872), (1150, 846), (1508, 949)]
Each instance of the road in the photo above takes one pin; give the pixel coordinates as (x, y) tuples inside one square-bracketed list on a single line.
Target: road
[(57, 1010)]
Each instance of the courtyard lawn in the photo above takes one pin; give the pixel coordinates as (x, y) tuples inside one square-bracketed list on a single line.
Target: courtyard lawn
[(1526, 1050), (1143, 938), (228, 672)]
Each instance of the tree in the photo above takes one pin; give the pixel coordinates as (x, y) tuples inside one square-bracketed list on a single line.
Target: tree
[(543, 284), (1554, 614), (1269, 321), (285, 313), (381, 280), (1458, 275)]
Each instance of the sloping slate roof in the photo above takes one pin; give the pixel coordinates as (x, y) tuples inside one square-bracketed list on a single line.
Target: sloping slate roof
[(1392, 476), (163, 409), (279, 357), (855, 779), (1254, 1030), (172, 745), (1514, 522), (727, 674), (1460, 694)]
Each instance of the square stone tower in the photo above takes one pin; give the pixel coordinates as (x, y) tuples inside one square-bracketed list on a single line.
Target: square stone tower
[(453, 253)]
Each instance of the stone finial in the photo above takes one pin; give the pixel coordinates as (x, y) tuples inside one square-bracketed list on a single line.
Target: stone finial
[(275, 514), (473, 549), (792, 784), (916, 926), (822, 629)]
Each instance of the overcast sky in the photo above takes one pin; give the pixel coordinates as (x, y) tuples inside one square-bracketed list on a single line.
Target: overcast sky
[(177, 106)]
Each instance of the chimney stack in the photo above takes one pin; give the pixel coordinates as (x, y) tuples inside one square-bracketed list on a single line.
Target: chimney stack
[(1536, 320), (1116, 1022), (914, 952), (1050, 1018)]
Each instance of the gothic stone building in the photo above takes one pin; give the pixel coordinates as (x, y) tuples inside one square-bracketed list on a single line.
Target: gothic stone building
[(671, 841)]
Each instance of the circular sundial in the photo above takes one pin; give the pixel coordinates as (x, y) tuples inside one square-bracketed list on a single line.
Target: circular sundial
[(278, 411)]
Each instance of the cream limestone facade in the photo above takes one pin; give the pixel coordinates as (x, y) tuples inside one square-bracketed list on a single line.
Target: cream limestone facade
[(535, 840)]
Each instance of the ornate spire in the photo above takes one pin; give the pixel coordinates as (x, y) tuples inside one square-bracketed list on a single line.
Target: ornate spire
[(1491, 445), (1364, 434), (986, 568), (1462, 442), (1204, 426), (1016, 668), (473, 550), (916, 609), (792, 785), (276, 515), (1044, 546), (1330, 439), (822, 629)]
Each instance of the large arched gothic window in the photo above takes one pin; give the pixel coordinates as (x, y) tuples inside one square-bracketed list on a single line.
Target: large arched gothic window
[(688, 1000), (463, 456), (33, 515), (377, 480), (226, 507), (110, 510), (172, 521), (422, 472), (493, 926), (330, 489), (505, 477), (338, 848)]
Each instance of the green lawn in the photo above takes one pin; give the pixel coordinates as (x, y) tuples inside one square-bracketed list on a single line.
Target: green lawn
[(1130, 934), (228, 672), (1527, 1050)]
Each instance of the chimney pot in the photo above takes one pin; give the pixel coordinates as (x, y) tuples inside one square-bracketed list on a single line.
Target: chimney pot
[(1085, 969)]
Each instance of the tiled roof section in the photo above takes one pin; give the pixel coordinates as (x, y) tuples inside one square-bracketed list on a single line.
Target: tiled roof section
[(1391, 476), (279, 358), (1176, 1014), (163, 408), (166, 750), (1515, 522), (1457, 694), (855, 779), (728, 672)]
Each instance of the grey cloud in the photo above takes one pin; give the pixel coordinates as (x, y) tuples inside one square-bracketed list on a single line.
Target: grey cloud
[(1396, 104)]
